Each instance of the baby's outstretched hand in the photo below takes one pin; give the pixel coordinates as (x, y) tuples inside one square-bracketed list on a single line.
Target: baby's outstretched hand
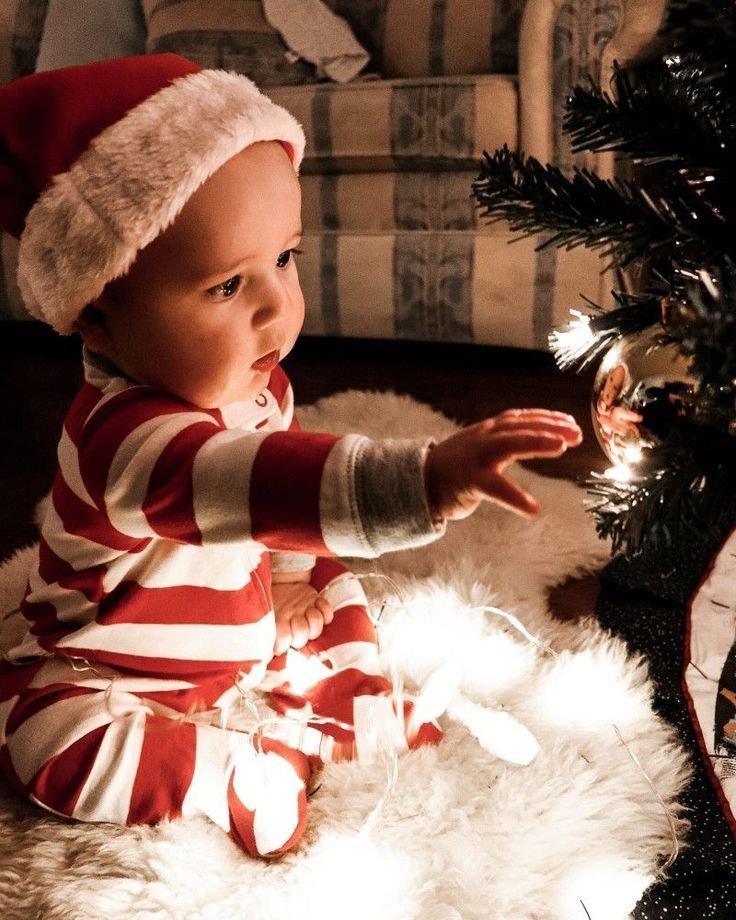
[(467, 468), (301, 614)]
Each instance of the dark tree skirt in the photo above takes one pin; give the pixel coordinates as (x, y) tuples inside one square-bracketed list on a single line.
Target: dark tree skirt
[(645, 602)]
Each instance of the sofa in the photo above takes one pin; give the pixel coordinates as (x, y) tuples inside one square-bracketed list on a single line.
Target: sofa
[(394, 247)]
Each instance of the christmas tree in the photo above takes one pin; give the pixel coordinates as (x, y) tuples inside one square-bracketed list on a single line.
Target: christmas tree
[(665, 395)]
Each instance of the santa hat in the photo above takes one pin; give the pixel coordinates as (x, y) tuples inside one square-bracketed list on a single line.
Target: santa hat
[(97, 160)]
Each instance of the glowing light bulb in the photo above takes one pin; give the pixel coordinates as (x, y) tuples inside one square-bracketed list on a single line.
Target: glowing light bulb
[(304, 672), (602, 890), (632, 454), (497, 731), (580, 328), (621, 472), (354, 864), (572, 342), (436, 694)]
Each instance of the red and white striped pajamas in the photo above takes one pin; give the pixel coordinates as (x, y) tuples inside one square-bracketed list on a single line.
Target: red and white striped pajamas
[(148, 615)]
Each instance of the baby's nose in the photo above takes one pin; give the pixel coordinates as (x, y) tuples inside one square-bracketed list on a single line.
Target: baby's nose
[(266, 315), (271, 307)]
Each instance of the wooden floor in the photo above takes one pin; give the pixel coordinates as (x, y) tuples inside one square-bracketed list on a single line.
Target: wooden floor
[(41, 374)]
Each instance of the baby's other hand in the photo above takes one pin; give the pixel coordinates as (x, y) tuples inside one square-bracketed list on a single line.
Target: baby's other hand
[(301, 614), (467, 468)]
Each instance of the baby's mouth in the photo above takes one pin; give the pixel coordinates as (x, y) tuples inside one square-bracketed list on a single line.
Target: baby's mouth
[(267, 363)]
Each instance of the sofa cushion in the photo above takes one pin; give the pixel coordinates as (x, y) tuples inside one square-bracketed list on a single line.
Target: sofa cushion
[(225, 35), (444, 286), (418, 124), (409, 38), (389, 201)]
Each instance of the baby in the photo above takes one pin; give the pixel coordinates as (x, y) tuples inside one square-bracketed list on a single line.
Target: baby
[(187, 558)]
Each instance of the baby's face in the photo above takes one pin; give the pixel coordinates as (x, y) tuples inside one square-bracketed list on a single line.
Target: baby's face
[(212, 304)]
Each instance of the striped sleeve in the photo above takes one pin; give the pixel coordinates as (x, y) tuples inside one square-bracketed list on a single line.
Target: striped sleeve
[(164, 469)]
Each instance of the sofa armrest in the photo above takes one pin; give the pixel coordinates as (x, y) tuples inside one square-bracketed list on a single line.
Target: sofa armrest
[(561, 43)]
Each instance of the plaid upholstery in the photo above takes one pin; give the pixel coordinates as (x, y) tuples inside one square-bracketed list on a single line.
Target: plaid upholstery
[(415, 38), (434, 123), (226, 35)]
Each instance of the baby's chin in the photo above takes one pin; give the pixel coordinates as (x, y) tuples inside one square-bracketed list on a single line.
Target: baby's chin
[(213, 394), (233, 396)]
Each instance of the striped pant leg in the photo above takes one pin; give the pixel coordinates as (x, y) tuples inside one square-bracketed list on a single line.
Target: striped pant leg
[(104, 755), (338, 675)]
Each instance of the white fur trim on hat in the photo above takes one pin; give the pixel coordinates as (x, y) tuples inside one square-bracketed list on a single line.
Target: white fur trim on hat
[(129, 185)]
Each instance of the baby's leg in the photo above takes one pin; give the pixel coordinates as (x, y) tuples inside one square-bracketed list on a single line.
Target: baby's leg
[(97, 754), (337, 676)]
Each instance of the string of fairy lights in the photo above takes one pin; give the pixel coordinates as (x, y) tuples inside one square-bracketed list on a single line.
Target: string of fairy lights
[(497, 730)]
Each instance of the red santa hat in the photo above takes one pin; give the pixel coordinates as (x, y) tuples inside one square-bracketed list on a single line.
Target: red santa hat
[(97, 160)]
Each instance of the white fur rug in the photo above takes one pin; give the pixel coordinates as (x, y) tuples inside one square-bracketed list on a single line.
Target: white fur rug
[(577, 834)]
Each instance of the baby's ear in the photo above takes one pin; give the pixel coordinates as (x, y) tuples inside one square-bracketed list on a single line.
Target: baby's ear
[(91, 325)]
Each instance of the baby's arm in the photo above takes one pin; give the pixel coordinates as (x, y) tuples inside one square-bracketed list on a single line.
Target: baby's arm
[(467, 467), (161, 469), (301, 612), (460, 472)]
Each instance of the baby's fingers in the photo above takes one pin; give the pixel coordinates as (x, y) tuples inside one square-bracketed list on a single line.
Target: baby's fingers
[(325, 608), (506, 446), (506, 493), (315, 622), (283, 636), (551, 414), (300, 629), (539, 420)]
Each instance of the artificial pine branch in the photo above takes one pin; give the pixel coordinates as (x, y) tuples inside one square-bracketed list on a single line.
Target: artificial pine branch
[(584, 339), (698, 69), (593, 212), (584, 210), (678, 124), (704, 328), (651, 125), (706, 92), (681, 128), (701, 22)]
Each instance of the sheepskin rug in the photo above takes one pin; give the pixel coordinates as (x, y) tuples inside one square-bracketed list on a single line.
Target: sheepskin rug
[(579, 833)]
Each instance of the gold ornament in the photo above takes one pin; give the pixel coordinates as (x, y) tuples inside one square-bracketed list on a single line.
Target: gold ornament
[(637, 394)]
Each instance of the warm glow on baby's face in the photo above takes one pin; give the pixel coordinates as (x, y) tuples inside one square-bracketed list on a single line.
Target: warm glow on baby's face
[(216, 291)]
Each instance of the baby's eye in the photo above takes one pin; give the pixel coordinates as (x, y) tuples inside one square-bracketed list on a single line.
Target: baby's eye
[(227, 288), (285, 257)]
